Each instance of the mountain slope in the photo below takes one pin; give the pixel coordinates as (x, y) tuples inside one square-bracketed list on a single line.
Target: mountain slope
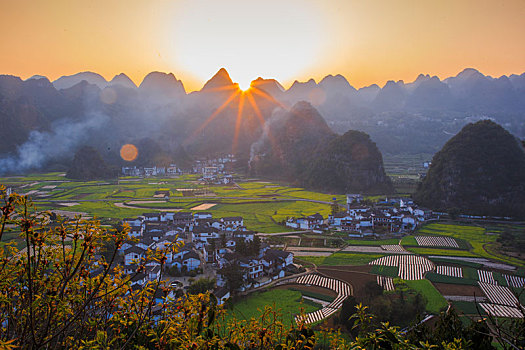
[(481, 170), (300, 147)]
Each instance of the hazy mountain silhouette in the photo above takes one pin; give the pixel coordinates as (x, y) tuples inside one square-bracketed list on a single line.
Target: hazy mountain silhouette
[(416, 117), (124, 80), (220, 80), (71, 80)]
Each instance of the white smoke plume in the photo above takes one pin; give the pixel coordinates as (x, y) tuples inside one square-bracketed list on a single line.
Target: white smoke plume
[(61, 142), (258, 146)]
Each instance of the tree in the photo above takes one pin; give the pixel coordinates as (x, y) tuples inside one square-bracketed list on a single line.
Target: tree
[(56, 291), (335, 208), (89, 165), (202, 285), (347, 311), (233, 275), (255, 245), (240, 247)]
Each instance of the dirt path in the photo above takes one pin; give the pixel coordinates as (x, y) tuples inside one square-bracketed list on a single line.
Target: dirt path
[(124, 205)]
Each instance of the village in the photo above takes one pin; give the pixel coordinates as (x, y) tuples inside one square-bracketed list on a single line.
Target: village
[(216, 170), (397, 215), (240, 260)]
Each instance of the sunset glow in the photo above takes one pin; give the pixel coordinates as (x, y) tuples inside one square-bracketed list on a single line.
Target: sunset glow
[(366, 41)]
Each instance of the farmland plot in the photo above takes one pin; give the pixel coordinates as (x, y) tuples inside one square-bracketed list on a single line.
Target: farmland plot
[(432, 241), (501, 310), (452, 271), (515, 281), (393, 248), (342, 289), (411, 267), (386, 282), (499, 294), (483, 261), (486, 277), (503, 303)]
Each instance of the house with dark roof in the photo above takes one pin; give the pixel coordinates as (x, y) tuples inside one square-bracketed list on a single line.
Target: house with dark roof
[(151, 217), (222, 294), (132, 254), (182, 218), (233, 221)]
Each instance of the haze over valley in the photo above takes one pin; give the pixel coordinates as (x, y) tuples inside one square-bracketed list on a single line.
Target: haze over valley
[(45, 122)]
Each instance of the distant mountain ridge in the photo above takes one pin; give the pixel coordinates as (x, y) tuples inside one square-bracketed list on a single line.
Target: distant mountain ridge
[(416, 117)]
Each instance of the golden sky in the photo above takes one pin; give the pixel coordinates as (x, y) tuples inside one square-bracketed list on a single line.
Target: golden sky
[(368, 41)]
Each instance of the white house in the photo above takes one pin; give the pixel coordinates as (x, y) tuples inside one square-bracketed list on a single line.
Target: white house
[(134, 253), (191, 260), (202, 215)]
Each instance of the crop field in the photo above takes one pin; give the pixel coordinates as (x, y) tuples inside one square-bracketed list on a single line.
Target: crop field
[(289, 303), (262, 204), (411, 267), (390, 271), (386, 282), (341, 258), (479, 238), (372, 242), (435, 301), (439, 278), (453, 271), (444, 254), (433, 241), (441, 251)]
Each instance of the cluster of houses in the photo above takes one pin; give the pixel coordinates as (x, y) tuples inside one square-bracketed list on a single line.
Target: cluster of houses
[(217, 170), (170, 170), (388, 216), (206, 244)]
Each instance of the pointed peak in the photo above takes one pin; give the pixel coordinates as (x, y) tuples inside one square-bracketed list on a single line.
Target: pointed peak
[(220, 79), (122, 79), (68, 81), (223, 74), (390, 83), (310, 82)]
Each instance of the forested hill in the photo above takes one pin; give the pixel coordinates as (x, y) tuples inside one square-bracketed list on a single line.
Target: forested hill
[(481, 171), (298, 146)]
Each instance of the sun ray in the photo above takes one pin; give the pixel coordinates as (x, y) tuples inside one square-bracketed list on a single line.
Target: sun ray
[(238, 123), (212, 116), (259, 115), (269, 97), (222, 88), (256, 109)]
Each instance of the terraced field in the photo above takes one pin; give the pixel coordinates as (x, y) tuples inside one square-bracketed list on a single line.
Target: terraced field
[(447, 255)]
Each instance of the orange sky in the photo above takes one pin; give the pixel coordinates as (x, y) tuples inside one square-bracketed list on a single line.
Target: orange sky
[(368, 41)]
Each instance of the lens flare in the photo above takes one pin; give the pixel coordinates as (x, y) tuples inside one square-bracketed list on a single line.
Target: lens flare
[(129, 152)]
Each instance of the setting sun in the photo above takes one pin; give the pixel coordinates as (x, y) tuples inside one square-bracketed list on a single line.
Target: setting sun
[(225, 34), (244, 85)]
